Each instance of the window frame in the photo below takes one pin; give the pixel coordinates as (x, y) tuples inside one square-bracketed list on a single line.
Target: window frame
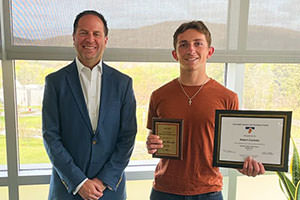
[(237, 39)]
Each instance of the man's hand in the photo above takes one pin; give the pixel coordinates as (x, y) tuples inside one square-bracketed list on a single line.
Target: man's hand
[(252, 167), (153, 143), (91, 190), (99, 182)]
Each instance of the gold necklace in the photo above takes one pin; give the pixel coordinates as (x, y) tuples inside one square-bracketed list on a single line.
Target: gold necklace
[(191, 98)]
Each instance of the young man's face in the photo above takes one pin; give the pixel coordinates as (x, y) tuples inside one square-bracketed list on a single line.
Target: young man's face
[(90, 40), (192, 50)]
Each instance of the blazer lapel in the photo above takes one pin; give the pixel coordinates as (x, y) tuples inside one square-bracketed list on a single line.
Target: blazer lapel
[(74, 83), (105, 91)]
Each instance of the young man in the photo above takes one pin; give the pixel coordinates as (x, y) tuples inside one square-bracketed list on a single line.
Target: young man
[(193, 97), (89, 122)]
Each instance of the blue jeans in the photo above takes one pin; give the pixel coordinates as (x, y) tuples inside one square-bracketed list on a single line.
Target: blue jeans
[(157, 195)]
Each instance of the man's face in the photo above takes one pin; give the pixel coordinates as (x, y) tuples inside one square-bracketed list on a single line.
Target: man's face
[(90, 40), (192, 50)]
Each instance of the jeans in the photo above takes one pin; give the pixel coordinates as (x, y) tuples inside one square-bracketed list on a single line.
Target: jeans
[(157, 195)]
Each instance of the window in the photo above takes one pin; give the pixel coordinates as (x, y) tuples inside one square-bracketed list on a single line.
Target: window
[(273, 25), (139, 189), (49, 23), (30, 76), (136, 190), (262, 187), (4, 193), (33, 192), (274, 87), (140, 40), (146, 78)]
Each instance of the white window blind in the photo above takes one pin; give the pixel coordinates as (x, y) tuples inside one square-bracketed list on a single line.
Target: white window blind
[(274, 25), (132, 24)]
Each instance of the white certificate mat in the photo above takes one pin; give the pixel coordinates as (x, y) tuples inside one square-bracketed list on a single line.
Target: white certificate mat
[(264, 135)]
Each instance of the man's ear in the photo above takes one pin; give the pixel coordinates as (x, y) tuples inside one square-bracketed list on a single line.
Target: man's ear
[(174, 54), (105, 40), (210, 52), (73, 39)]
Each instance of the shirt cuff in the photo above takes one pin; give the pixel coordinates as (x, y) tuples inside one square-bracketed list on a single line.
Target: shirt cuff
[(79, 186), (110, 188)]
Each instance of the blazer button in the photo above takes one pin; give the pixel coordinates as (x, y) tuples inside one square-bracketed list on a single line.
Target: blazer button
[(94, 142)]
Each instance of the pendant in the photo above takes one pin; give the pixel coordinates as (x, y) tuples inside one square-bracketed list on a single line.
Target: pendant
[(190, 101)]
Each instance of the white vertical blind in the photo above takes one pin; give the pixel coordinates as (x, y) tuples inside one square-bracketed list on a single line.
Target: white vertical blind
[(274, 25), (133, 24), (142, 30)]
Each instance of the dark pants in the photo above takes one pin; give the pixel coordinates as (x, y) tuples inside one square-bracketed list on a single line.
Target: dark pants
[(157, 195)]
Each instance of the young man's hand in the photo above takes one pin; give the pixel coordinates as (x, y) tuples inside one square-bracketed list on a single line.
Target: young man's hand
[(252, 167), (153, 143)]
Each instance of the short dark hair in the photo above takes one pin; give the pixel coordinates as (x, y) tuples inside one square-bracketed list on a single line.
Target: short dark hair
[(197, 25), (90, 12)]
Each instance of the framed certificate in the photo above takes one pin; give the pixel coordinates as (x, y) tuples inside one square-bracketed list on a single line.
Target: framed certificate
[(170, 132), (264, 135)]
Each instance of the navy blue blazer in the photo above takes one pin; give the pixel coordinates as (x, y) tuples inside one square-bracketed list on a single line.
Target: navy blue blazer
[(75, 151)]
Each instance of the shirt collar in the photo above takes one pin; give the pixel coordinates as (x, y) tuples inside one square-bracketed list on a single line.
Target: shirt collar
[(80, 66)]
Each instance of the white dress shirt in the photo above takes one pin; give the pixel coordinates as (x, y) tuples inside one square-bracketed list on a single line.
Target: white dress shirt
[(91, 87), (90, 81)]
